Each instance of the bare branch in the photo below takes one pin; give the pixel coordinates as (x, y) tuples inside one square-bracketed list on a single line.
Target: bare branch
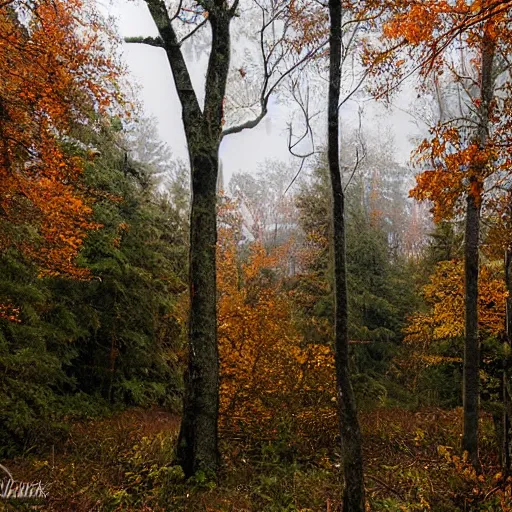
[(354, 169), (271, 63), (303, 104), (233, 8), (178, 10), (190, 34), (355, 89), (252, 123), (150, 41), (266, 92), (296, 175)]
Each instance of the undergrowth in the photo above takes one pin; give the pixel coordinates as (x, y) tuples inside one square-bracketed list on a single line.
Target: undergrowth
[(124, 463)]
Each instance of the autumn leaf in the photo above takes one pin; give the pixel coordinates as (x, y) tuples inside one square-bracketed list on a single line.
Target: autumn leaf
[(54, 75)]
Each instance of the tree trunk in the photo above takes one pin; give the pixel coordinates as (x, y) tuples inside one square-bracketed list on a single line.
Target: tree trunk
[(197, 446), (507, 388), (472, 345), (471, 244), (197, 443), (354, 492)]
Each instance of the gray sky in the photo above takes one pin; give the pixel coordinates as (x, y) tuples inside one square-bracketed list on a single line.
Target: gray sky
[(240, 152)]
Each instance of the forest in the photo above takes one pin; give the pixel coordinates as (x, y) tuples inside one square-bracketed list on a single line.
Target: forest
[(332, 333)]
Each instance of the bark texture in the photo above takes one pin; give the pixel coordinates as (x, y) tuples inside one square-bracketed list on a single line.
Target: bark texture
[(507, 374), (472, 345), (354, 492), (471, 260), (197, 443)]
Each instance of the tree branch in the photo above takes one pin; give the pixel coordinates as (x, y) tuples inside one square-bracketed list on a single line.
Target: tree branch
[(191, 33), (150, 41), (232, 10), (188, 99), (252, 123), (265, 94), (303, 104), (178, 10)]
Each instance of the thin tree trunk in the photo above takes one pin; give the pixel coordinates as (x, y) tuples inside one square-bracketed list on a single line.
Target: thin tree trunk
[(354, 492), (472, 345), (471, 242), (507, 390)]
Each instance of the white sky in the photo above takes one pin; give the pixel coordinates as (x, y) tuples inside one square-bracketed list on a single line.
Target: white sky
[(248, 150)]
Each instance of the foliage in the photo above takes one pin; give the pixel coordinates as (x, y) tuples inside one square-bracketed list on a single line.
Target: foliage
[(130, 351), (432, 361), (87, 315), (379, 277), (111, 340), (123, 464), (93, 303), (46, 213), (445, 297), (269, 378), (31, 372), (467, 151)]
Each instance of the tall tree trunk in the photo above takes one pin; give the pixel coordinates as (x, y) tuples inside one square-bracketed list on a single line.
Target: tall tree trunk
[(471, 245), (197, 443), (354, 493), (472, 345), (507, 388)]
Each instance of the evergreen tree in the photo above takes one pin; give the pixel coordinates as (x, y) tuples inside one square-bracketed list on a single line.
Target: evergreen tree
[(72, 347)]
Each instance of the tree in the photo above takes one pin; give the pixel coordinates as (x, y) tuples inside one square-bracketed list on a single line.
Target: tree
[(129, 308), (353, 492), (431, 361), (197, 444), (53, 75), (275, 380), (380, 295), (146, 148), (258, 340), (467, 150), (444, 294), (471, 243), (347, 21), (72, 348)]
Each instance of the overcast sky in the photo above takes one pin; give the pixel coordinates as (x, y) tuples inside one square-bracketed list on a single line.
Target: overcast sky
[(240, 152)]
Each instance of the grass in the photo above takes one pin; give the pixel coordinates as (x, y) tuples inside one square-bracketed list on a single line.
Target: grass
[(124, 463)]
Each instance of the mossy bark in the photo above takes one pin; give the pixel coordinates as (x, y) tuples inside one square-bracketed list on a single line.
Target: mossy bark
[(507, 388), (197, 443), (197, 447)]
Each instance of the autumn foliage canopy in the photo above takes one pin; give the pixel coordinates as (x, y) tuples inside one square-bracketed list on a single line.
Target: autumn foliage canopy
[(55, 80), (269, 373)]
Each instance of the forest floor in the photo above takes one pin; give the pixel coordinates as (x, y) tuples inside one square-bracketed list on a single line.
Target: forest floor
[(121, 463)]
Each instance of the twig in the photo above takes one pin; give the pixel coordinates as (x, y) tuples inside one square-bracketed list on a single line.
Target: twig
[(386, 485), (492, 491), (295, 177), (191, 33)]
